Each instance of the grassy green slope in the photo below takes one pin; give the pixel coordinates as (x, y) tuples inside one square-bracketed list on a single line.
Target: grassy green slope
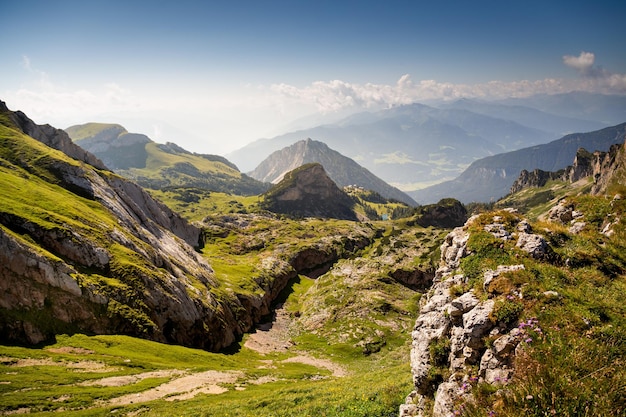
[(33, 202), (159, 166), (63, 378), (88, 130), (169, 168), (40, 211), (32, 190)]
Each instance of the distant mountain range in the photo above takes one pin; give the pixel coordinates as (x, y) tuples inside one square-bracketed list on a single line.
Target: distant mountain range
[(414, 146), (491, 178), (342, 170), (159, 166), (464, 149)]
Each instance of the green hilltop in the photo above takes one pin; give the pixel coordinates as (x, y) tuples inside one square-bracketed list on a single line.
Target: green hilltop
[(158, 166)]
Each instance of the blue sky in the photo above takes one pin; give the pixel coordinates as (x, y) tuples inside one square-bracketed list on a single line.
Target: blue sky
[(213, 76)]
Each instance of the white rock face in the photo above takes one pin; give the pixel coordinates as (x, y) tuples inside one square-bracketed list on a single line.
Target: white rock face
[(534, 244), (462, 323), (561, 213), (454, 247)]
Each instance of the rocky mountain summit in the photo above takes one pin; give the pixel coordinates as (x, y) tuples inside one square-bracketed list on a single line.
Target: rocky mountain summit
[(341, 169), (308, 192), (114, 145)]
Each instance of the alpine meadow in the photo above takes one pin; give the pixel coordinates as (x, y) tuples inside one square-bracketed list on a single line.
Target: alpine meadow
[(292, 209)]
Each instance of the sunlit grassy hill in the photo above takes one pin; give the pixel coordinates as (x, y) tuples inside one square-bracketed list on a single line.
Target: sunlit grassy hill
[(158, 166)]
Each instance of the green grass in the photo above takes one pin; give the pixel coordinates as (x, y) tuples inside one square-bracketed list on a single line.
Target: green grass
[(55, 386), (346, 397), (165, 169), (122, 356), (158, 159), (195, 203), (79, 132), (535, 201)]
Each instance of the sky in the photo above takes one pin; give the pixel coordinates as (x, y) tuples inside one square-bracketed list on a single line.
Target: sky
[(213, 76)]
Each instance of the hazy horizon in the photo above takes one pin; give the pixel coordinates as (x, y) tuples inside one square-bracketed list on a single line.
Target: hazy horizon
[(214, 77)]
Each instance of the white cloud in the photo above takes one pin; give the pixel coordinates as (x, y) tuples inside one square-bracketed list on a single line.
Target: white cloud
[(334, 95), (595, 78), (48, 103), (329, 96), (583, 62)]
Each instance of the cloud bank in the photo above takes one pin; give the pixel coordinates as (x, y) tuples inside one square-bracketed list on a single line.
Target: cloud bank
[(329, 96)]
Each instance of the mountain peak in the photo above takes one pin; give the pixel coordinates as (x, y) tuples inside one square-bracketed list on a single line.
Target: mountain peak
[(308, 191), (341, 169)]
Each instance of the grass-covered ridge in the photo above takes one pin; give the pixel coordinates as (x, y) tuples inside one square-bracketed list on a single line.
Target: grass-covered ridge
[(171, 166), (158, 166)]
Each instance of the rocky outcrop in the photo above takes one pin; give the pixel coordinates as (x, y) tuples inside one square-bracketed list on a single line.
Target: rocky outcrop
[(536, 178), (447, 213), (449, 355), (607, 167), (601, 166), (309, 192), (55, 138)]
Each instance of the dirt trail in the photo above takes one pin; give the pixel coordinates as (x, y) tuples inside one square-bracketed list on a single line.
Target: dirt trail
[(268, 338), (274, 337), (182, 388)]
